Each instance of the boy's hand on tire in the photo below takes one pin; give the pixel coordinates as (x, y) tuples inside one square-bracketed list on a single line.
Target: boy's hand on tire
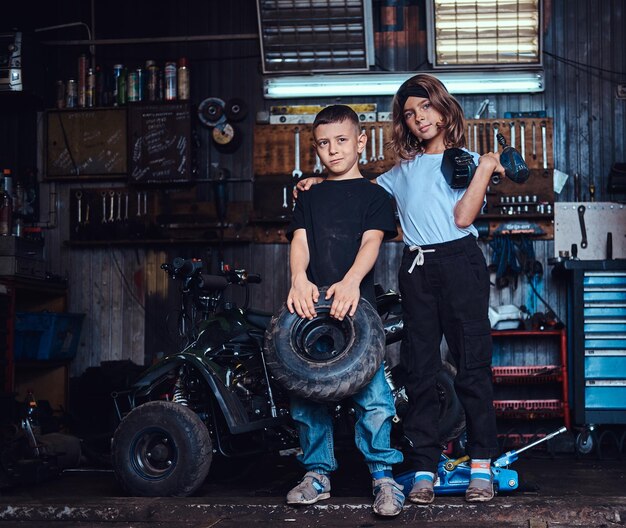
[(345, 296), (302, 298)]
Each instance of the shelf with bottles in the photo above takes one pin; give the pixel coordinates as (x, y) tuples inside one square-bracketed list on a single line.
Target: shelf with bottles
[(95, 86)]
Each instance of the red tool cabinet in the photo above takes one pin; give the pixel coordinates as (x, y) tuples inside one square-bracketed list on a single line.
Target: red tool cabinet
[(529, 392)]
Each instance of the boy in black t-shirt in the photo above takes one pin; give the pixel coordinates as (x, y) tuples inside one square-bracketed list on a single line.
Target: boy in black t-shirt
[(335, 235)]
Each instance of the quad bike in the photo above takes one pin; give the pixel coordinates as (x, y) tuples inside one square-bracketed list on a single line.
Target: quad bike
[(217, 395)]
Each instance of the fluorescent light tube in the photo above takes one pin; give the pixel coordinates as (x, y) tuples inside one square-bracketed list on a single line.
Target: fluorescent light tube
[(372, 84)]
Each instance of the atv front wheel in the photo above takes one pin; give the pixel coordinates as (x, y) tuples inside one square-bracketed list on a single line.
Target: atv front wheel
[(325, 359), (161, 449)]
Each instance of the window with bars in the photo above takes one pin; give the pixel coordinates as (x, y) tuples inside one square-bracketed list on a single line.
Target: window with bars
[(487, 33), (315, 35)]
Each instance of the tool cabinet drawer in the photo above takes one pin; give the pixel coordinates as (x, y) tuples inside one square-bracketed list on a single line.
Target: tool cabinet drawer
[(605, 394), (605, 367)]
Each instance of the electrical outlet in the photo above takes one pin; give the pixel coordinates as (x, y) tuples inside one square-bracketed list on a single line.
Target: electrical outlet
[(621, 91)]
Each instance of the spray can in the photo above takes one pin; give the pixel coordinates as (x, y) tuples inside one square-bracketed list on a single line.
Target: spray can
[(60, 94), (183, 79), (82, 80), (133, 90), (90, 92), (121, 88), (170, 81), (71, 94), (152, 81), (117, 71)]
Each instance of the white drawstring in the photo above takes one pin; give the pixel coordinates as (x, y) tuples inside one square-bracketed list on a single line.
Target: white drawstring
[(419, 258)]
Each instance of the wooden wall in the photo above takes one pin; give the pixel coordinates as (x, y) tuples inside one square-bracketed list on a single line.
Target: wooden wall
[(125, 294)]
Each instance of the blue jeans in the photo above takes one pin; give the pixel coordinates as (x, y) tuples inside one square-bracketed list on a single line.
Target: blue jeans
[(374, 409)]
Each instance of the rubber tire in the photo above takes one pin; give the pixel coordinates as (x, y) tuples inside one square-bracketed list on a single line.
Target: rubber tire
[(335, 378), (189, 444)]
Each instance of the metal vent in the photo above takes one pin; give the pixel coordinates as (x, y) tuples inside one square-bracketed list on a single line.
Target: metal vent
[(315, 35)]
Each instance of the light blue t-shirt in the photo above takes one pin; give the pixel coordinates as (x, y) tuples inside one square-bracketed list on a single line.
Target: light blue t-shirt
[(425, 201)]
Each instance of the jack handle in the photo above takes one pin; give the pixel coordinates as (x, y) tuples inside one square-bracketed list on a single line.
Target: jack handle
[(511, 456), (451, 464)]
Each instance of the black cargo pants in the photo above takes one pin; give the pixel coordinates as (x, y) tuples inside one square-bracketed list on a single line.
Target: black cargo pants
[(447, 294)]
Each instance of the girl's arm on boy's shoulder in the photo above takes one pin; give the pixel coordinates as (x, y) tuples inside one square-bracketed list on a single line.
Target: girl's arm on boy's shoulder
[(467, 208)]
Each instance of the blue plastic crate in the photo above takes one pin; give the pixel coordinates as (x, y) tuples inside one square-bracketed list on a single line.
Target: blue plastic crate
[(46, 335)]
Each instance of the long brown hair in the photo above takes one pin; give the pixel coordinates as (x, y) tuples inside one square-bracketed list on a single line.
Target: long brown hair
[(403, 143)]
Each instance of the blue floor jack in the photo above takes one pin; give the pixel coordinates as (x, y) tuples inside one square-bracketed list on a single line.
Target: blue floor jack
[(453, 476)]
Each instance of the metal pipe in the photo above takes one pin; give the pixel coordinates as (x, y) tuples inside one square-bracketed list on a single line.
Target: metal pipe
[(192, 38)]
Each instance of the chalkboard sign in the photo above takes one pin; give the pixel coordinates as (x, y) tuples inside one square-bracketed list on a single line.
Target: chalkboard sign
[(159, 136), (85, 144)]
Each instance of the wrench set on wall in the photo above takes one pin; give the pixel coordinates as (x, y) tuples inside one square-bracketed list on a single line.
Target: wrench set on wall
[(101, 214), (284, 153)]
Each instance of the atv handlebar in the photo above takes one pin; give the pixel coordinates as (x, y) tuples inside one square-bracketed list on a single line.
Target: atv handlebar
[(190, 270)]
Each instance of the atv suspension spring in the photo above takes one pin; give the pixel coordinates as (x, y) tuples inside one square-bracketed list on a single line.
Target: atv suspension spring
[(179, 395)]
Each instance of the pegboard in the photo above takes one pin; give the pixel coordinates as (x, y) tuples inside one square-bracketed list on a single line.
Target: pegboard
[(275, 145)]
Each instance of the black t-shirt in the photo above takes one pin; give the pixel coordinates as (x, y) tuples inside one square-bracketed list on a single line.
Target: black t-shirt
[(335, 215)]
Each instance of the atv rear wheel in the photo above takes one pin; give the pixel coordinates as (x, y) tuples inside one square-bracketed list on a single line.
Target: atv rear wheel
[(161, 449)]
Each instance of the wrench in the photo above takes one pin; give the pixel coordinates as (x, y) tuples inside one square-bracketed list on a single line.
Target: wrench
[(145, 202), (363, 158), (104, 207), (522, 138), (543, 145), (583, 230), (373, 134), (285, 204), (138, 203), (297, 173), (79, 195), (86, 214), (112, 195), (126, 206), (534, 141), (496, 127), (480, 138), (475, 144), (119, 206), (512, 125), (318, 165), (469, 137), (381, 155)]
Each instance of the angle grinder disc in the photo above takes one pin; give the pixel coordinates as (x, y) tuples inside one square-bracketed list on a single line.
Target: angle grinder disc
[(227, 137), (211, 111), (236, 110)]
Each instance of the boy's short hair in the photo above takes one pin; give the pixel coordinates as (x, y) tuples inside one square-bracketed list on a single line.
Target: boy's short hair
[(336, 114)]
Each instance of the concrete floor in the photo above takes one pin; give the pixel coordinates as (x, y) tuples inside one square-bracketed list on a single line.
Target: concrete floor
[(559, 490)]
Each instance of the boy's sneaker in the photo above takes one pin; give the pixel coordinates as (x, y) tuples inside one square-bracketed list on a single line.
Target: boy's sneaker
[(312, 488), (389, 498)]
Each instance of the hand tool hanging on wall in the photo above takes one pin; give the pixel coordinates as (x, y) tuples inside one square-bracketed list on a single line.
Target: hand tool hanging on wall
[(496, 127), (534, 141), (373, 156), (363, 158), (522, 139), (318, 168), (381, 155), (512, 129), (544, 150), (481, 128)]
